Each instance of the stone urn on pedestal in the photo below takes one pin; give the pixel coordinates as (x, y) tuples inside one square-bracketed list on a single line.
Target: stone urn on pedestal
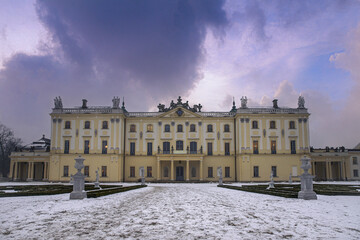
[(79, 180), (306, 192)]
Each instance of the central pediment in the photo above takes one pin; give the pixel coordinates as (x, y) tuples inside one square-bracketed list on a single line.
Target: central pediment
[(179, 112)]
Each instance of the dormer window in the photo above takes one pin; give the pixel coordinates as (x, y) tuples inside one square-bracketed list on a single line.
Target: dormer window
[(192, 128), (179, 128), (67, 125), (272, 125), (210, 128), (87, 125), (105, 125), (132, 128)]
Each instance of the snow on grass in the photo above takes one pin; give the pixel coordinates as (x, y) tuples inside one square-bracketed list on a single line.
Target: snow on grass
[(180, 211)]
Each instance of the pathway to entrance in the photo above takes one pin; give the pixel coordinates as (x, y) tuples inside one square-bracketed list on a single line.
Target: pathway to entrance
[(179, 211)]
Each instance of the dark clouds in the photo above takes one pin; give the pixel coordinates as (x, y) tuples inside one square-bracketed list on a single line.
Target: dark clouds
[(156, 44)]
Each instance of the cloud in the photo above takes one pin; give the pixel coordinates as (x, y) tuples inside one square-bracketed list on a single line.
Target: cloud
[(157, 45)]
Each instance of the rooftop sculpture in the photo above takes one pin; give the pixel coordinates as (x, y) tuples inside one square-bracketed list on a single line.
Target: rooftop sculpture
[(195, 108)]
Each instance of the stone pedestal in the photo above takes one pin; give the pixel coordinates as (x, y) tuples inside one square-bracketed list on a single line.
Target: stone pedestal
[(97, 183), (219, 174), (271, 183), (79, 181), (306, 192), (142, 175)]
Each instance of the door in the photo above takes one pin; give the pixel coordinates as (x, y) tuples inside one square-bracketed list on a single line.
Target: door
[(179, 173)]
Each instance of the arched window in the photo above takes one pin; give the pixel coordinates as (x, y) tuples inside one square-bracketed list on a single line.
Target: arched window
[(67, 125), (105, 125), (192, 128), (272, 124), (149, 128), (292, 125), (166, 172), (255, 124), (167, 128), (193, 172), (179, 145), (132, 128), (226, 128), (179, 128), (87, 124), (210, 128)]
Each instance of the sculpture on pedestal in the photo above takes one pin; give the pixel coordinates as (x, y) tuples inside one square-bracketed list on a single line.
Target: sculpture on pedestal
[(271, 184), (306, 192), (79, 180), (97, 183), (142, 175), (220, 175)]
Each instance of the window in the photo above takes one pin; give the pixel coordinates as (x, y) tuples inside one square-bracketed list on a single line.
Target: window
[(210, 172), (103, 171), (226, 128), (86, 146), (255, 124), (272, 125), (149, 128), (192, 128), (86, 171), (132, 171), (210, 148), (149, 148), (355, 161), (132, 148), (256, 171), (104, 147), (66, 146), (273, 147), (179, 128), (356, 173), (87, 125), (210, 128), (167, 128), (273, 170), (105, 125), (166, 172), (67, 125), (179, 145), (132, 128), (292, 125), (227, 172), (193, 147), (66, 171), (227, 148), (293, 146), (149, 172), (166, 147), (256, 147), (193, 172)]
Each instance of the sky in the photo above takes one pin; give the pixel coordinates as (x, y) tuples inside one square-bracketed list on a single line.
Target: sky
[(208, 52)]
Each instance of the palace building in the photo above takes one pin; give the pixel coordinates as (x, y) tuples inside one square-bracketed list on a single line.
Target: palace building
[(177, 143)]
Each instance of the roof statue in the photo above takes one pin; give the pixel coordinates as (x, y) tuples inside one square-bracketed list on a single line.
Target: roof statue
[(301, 102), (233, 109), (116, 102), (58, 103), (243, 102), (179, 103)]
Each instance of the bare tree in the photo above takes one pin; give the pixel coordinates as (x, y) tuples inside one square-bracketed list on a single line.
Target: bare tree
[(8, 143)]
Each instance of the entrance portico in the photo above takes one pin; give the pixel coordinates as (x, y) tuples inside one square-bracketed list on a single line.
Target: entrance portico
[(179, 167)]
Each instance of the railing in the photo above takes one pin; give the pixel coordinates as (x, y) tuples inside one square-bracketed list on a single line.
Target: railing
[(179, 152), (272, 110), (88, 110), (217, 114)]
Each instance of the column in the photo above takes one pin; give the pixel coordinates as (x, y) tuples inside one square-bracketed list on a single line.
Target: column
[(15, 171), (201, 170), (330, 171), (32, 171), (158, 169), (313, 168), (46, 174), (172, 170), (187, 170), (29, 172)]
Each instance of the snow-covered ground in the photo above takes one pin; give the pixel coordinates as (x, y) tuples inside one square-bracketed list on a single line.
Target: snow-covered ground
[(180, 211)]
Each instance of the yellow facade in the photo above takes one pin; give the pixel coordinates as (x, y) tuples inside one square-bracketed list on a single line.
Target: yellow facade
[(179, 143)]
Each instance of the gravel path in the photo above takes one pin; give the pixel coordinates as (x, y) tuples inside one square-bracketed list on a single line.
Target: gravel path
[(180, 211)]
